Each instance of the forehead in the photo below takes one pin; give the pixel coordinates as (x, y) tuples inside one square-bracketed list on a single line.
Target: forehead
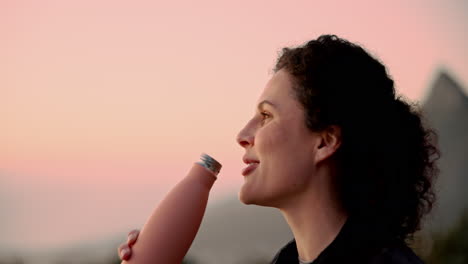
[(278, 89)]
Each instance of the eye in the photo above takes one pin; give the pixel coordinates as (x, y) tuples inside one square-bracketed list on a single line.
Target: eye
[(265, 116)]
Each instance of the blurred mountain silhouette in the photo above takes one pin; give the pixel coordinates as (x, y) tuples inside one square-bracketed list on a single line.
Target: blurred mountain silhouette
[(446, 109)]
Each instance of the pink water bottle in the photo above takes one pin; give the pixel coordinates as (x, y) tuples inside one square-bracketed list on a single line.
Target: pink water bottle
[(169, 232)]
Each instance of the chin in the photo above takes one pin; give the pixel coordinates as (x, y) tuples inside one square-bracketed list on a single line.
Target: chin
[(243, 198), (247, 199)]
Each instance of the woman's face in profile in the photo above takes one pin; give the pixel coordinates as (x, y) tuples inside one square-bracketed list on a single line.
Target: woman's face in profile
[(279, 147)]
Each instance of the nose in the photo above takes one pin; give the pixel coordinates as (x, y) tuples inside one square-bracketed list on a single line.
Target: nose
[(245, 138)]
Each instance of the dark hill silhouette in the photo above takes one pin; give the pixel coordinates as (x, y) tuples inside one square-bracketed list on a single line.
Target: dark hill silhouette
[(446, 109)]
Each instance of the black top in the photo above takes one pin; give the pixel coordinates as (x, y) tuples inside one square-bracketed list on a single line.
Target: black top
[(353, 244)]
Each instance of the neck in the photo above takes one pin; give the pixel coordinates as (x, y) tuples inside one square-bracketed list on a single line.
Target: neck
[(315, 217)]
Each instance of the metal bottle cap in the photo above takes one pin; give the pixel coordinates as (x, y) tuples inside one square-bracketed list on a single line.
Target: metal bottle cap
[(210, 163)]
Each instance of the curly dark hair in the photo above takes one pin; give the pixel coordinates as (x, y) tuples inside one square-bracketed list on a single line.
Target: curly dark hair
[(387, 158)]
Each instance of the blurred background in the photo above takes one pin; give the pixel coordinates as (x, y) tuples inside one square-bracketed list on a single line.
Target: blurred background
[(105, 105)]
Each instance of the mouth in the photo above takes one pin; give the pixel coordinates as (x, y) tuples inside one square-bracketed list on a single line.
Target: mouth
[(251, 166)]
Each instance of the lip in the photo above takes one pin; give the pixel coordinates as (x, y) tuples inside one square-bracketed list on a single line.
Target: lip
[(252, 164), (249, 169), (249, 160)]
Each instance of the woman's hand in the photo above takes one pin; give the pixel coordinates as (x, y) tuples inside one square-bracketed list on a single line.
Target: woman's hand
[(125, 249)]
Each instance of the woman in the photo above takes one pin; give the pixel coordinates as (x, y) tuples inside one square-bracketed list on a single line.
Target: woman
[(348, 163)]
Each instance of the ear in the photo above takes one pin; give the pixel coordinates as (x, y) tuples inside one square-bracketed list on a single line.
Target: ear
[(329, 142)]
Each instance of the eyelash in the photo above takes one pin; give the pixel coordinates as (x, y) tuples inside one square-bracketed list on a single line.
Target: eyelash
[(264, 115)]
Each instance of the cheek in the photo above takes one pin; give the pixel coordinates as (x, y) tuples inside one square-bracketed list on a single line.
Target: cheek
[(271, 139), (285, 152), (280, 148), (277, 152)]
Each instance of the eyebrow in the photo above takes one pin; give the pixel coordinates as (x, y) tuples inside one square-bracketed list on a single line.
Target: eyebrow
[(260, 105)]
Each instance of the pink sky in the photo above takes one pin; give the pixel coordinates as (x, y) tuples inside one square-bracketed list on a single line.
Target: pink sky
[(104, 105)]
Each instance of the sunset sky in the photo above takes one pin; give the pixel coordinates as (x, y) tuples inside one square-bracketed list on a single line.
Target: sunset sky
[(105, 105)]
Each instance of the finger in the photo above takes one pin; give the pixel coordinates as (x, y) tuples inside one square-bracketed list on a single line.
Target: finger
[(132, 237), (124, 252), (121, 247)]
